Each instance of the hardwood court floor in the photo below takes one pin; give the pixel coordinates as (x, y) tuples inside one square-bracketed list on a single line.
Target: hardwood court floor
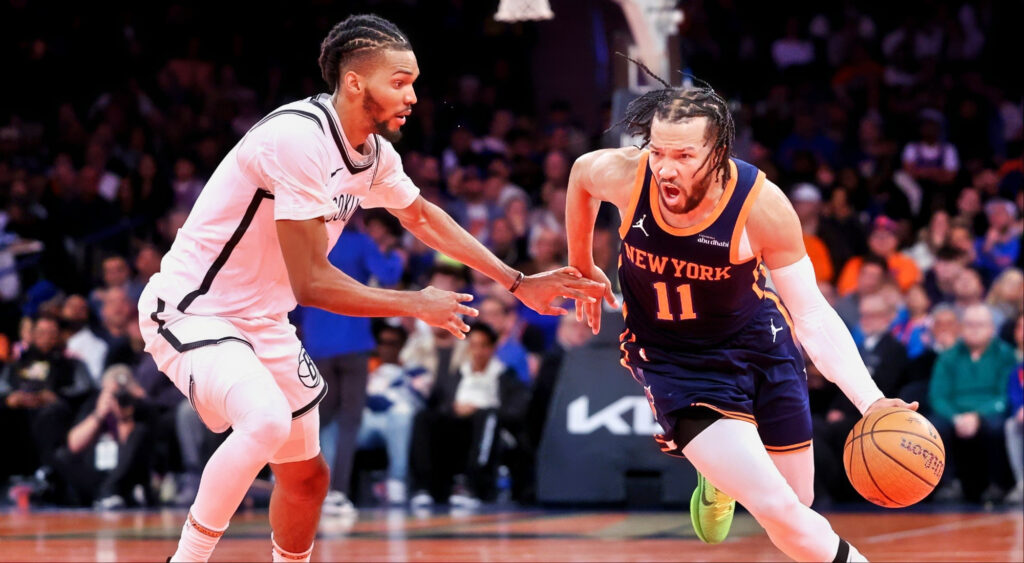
[(527, 535)]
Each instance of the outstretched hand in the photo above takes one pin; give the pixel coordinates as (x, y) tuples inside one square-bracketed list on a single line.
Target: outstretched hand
[(539, 290), (445, 309), (591, 312)]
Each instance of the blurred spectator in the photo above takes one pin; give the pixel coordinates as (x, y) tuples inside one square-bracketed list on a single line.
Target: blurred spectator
[(1006, 298), (961, 237), (501, 316), (806, 141), (968, 290), (806, 200), (1000, 247), (792, 49), (884, 242), (394, 395), (187, 184), (871, 275), (1015, 420), (116, 316), (82, 341), (343, 361), (911, 324), (931, 162), (147, 263), (108, 450), (471, 209), (457, 434), (968, 399), (930, 240), (116, 273), (39, 392), (940, 280)]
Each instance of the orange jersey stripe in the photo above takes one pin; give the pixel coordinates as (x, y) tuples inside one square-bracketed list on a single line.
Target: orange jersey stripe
[(741, 221), (638, 184), (728, 414)]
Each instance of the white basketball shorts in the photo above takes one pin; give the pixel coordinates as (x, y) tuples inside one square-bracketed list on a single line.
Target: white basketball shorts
[(171, 336)]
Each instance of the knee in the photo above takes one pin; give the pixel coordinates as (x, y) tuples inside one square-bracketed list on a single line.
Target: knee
[(775, 508), (310, 484), (268, 425)]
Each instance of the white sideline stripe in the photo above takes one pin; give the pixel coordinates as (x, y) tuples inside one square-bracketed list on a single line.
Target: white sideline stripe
[(947, 527)]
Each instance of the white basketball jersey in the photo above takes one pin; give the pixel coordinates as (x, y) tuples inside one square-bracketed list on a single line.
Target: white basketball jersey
[(294, 164)]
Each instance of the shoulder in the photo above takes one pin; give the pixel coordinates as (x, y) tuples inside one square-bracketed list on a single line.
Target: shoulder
[(771, 210), (610, 164)]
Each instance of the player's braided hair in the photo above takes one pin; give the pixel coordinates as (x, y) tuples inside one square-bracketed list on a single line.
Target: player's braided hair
[(356, 36), (679, 104)]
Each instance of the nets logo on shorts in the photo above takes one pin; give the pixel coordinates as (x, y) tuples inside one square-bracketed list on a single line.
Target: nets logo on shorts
[(308, 374)]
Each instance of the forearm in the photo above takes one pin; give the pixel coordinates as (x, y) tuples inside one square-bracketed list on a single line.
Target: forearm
[(439, 231), (336, 292), (823, 334), (83, 433), (580, 213)]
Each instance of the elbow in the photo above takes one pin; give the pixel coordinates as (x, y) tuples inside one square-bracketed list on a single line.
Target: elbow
[(305, 294)]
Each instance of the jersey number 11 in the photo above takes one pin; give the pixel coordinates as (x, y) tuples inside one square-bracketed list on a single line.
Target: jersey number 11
[(685, 301)]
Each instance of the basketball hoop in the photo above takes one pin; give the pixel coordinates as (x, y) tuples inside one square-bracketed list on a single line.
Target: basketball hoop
[(651, 22), (511, 11)]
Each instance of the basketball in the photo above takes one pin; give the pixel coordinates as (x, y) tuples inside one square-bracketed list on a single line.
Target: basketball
[(894, 457)]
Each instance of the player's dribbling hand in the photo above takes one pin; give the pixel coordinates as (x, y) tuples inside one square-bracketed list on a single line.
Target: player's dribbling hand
[(539, 290), (885, 403), (591, 312), (444, 309)]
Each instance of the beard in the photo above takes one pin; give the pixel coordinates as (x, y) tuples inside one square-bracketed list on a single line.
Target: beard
[(372, 109), (698, 190)]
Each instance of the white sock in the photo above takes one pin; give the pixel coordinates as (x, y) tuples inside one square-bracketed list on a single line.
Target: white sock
[(282, 556), (197, 541)]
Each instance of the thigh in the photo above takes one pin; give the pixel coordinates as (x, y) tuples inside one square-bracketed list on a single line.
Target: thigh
[(294, 372)]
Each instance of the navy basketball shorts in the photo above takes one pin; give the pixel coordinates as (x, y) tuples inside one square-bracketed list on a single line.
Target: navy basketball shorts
[(757, 376)]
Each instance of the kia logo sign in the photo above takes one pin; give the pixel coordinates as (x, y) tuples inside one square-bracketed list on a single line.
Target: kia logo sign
[(614, 418)]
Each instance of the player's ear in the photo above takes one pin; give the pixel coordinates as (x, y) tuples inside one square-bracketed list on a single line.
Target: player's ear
[(352, 83)]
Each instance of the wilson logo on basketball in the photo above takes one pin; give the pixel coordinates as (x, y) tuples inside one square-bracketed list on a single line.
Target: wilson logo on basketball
[(931, 461)]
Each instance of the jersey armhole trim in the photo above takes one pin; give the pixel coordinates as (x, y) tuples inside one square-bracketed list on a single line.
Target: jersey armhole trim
[(741, 220), (634, 198)]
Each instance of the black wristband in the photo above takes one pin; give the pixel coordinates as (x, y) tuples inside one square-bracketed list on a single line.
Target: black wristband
[(515, 284)]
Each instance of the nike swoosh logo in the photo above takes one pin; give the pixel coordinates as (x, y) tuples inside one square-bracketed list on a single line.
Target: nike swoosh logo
[(703, 497), (335, 172)]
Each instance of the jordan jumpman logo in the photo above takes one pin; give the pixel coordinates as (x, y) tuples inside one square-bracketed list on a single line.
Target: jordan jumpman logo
[(774, 330), (640, 225)]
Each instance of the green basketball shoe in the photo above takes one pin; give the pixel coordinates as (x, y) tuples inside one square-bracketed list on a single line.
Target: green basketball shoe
[(711, 511)]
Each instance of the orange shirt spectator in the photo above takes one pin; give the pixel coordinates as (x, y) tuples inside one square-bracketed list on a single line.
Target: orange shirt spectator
[(820, 258), (882, 241)]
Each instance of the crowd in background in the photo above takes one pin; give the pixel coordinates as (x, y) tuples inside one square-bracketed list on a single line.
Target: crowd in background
[(896, 134)]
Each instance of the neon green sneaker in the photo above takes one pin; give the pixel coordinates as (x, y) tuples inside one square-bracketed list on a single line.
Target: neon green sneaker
[(711, 511)]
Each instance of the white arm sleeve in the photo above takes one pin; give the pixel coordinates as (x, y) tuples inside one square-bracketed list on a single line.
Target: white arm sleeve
[(823, 334)]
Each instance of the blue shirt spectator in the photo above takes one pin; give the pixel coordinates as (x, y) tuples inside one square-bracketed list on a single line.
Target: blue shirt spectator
[(326, 334)]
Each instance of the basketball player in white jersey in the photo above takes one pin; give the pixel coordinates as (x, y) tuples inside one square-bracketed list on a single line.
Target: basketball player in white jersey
[(256, 243)]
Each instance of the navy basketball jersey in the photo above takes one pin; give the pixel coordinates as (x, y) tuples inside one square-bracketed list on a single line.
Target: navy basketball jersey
[(684, 289)]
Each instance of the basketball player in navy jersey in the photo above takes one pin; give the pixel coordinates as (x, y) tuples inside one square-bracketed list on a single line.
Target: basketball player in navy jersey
[(712, 346)]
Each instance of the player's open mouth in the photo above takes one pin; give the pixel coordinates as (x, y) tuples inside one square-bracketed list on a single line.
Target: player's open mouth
[(401, 116), (671, 191)]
